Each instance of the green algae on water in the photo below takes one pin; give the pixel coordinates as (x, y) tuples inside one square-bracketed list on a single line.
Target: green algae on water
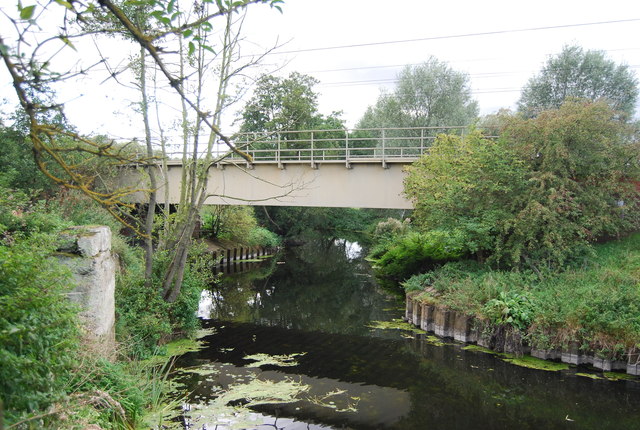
[(524, 361), (275, 360), (535, 363), (617, 376), (589, 375), (395, 324), (478, 348)]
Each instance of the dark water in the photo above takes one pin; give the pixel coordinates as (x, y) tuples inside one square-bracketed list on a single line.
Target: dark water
[(313, 311)]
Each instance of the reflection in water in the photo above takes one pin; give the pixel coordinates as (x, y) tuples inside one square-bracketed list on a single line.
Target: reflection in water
[(292, 343), (325, 287)]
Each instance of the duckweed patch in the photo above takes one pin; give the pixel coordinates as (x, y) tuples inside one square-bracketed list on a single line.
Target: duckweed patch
[(616, 376), (524, 361), (534, 363), (275, 360), (434, 340), (231, 408), (478, 348), (589, 375), (395, 324)]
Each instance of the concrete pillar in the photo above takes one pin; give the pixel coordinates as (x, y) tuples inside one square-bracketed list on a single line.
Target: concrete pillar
[(426, 322), (443, 326), (417, 313), (87, 252), (462, 328)]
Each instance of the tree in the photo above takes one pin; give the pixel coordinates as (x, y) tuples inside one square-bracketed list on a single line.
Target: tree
[(466, 185), (177, 43), (429, 95), (539, 195), (289, 106), (580, 74), (281, 104)]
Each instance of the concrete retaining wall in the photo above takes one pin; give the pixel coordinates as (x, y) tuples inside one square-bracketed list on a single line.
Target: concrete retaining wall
[(87, 252), (445, 322)]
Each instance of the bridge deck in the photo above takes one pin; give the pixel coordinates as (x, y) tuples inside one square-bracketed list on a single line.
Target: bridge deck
[(326, 168)]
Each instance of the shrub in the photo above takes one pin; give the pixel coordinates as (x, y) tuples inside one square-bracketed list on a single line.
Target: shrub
[(144, 320), (540, 195), (511, 308), (417, 252), (38, 327), (142, 317), (390, 228), (260, 236)]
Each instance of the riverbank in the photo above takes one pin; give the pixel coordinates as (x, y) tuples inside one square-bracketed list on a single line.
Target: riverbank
[(588, 314)]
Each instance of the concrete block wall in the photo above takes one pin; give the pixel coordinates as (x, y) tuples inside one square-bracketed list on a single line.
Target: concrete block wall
[(445, 322)]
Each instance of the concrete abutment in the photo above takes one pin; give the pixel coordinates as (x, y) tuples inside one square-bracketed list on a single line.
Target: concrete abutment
[(461, 327)]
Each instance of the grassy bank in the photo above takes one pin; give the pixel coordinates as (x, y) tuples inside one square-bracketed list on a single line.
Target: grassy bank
[(595, 302)]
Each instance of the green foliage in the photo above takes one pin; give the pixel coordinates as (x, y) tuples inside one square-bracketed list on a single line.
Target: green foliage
[(38, 327), (596, 304), (237, 224), (281, 104), (428, 95), (581, 163), (416, 252), (127, 387), (19, 170), (311, 222), (141, 316), (260, 236), (233, 223), (579, 74), (510, 308), (144, 320), (538, 196), (466, 184), (390, 228), (418, 282), (20, 217), (290, 105)]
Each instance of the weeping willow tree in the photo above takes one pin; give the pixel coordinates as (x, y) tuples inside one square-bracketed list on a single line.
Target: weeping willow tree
[(187, 52)]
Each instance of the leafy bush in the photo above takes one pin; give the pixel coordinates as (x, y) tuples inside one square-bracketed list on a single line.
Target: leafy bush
[(418, 282), (540, 195), (260, 236), (38, 327), (20, 217), (510, 308), (390, 228), (144, 320), (466, 184), (142, 317), (233, 223), (417, 252)]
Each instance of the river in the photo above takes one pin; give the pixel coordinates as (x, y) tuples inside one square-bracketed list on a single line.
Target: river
[(297, 344)]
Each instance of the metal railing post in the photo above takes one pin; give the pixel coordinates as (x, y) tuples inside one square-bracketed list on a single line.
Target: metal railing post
[(421, 141), (313, 165), (384, 144), (280, 166), (346, 149)]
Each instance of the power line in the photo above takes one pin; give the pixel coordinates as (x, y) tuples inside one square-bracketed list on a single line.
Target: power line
[(395, 79), (394, 66), (455, 36)]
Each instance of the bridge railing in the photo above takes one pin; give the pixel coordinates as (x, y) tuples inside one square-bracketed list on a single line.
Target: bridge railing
[(337, 145)]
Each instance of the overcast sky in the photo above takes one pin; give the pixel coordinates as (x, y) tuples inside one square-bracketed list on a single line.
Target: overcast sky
[(498, 64), (355, 48)]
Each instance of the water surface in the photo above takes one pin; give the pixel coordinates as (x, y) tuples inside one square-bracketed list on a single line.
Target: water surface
[(293, 348)]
